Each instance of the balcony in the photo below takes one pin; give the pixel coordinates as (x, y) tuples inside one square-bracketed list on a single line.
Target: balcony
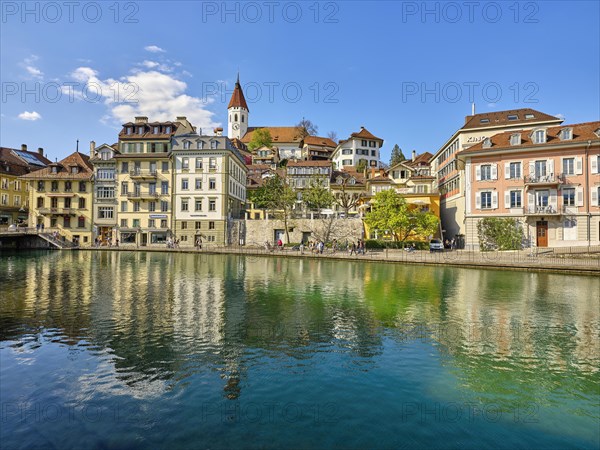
[(106, 200), (535, 210), (142, 195), (57, 211), (139, 174), (544, 180)]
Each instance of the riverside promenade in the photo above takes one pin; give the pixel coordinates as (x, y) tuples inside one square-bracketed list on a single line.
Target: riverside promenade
[(570, 260)]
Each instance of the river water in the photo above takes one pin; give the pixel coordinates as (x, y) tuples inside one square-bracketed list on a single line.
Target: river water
[(160, 350)]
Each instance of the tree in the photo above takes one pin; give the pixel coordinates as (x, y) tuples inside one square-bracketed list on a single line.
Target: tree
[(317, 196), (361, 166), (344, 197), (306, 128), (497, 233), (397, 156), (260, 138), (392, 214), (277, 196), (333, 136)]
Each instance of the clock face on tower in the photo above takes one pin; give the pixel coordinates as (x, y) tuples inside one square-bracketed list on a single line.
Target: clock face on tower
[(236, 126)]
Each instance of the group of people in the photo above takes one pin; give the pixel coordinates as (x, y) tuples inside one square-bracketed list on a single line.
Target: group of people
[(451, 244), (39, 227), (109, 242), (358, 248), (172, 243), (199, 243), (316, 247)]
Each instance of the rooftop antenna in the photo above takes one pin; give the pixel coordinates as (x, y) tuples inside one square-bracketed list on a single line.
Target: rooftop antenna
[(473, 108), (77, 149)]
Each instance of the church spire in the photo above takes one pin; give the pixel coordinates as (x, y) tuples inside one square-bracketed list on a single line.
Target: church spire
[(237, 98)]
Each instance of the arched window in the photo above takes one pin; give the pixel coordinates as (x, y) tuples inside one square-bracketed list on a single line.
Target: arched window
[(242, 118), (235, 120)]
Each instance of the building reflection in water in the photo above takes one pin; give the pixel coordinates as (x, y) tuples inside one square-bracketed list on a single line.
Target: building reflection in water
[(161, 318)]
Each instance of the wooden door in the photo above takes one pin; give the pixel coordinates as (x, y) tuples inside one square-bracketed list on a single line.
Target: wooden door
[(542, 233)]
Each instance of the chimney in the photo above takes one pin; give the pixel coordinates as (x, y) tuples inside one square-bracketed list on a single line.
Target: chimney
[(24, 147), (362, 128), (181, 118), (219, 131), (92, 148), (40, 151), (141, 119), (414, 155)]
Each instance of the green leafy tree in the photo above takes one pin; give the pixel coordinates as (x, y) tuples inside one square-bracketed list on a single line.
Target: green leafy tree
[(278, 197), (361, 166), (260, 138), (317, 196), (497, 233), (392, 214), (397, 156)]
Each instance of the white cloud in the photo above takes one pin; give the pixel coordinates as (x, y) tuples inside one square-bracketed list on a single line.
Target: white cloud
[(26, 115), (560, 116), (154, 49), (150, 64), (31, 69), (159, 96)]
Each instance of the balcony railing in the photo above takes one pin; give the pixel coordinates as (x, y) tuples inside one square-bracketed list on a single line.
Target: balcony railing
[(60, 211), (139, 195), (544, 180), (139, 173), (537, 210)]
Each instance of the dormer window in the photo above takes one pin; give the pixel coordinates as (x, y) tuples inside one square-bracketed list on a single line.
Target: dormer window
[(168, 130), (214, 144), (513, 117), (484, 121), (128, 130), (487, 143), (200, 144), (539, 136), (155, 130), (187, 145), (54, 169), (566, 134), (529, 116), (597, 132), (140, 130), (74, 169), (515, 139)]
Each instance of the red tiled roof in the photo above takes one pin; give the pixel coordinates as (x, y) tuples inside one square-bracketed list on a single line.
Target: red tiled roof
[(237, 98), (64, 169), (582, 132), (319, 141), (12, 164), (365, 134), (499, 118), (278, 134), (423, 158)]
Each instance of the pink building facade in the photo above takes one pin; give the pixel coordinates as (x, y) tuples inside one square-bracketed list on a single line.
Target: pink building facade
[(548, 178)]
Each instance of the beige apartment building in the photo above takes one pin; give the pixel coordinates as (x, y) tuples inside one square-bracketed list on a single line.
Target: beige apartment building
[(448, 171), (547, 178)]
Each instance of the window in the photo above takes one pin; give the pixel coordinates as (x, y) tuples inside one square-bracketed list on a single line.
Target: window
[(136, 207), (128, 130), (185, 163), (152, 188), (486, 172), (541, 198), (68, 186), (155, 130), (515, 199), (198, 183), (484, 121), (151, 223), (67, 202), (165, 166), (81, 222), (214, 144), (136, 223), (212, 205), (82, 203), (515, 139), (539, 137), (54, 187), (140, 130), (105, 174), (212, 183), (486, 200), (123, 206), (124, 223), (211, 225), (168, 130), (566, 134), (184, 225), (212, 163), (529, 116), (54, 202), (82, 186), (198, 225), (164, 206), (513, 117), (346, 151), (568, 196), (569, 166), (198, 163), (540, 168), (40, 202), (163, 223), (124, 188), (164, 187), (184, 184), (17, 200), (363, 143), (515, 170), (67, 222), (151, 206), (5, 199), (198, 204), (373, 152), (185, 204), (346, 162), (105, 212), (41, 186), (124, 167)]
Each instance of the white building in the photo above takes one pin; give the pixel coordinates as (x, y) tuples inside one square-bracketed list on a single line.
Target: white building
[(209, 177), (362, 147)]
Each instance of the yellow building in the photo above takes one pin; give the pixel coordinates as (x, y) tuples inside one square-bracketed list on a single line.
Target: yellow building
[(60, 198), (145, 181), (14, 192)]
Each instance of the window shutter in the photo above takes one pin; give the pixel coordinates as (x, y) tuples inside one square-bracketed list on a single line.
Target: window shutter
[(530, 200), (506, 171), (494, 170), (553, 199), (507, 199), (579, 196), (579, 165), (550, 167), (532, 168), (478, 200), (494, 200), (594, 195), (478, 172), (594, 164)]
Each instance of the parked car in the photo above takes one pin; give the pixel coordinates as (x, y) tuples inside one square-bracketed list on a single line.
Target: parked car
[(436, 245), (12, 227)]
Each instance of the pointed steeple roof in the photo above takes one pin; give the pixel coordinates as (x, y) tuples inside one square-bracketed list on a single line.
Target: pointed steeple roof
[(237, 98)]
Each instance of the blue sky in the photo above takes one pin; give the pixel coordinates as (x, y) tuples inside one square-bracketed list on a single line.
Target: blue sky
[(407, 71)]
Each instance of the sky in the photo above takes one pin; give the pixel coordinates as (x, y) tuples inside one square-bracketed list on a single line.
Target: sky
[(407, 71)]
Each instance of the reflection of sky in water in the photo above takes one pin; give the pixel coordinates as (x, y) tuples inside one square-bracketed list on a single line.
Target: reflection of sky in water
[(158, 334)]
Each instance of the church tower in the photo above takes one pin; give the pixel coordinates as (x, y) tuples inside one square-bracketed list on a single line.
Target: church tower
[(237, 122)]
